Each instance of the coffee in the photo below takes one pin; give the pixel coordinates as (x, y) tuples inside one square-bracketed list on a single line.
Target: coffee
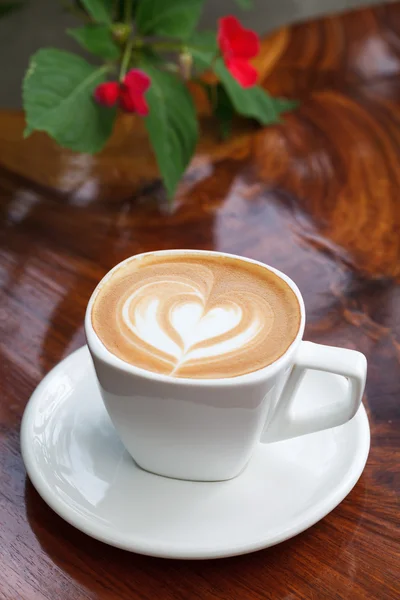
[(196, 315)]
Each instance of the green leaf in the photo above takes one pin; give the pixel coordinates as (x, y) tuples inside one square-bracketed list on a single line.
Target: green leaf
[(171, 124), (58, 98), (99, 10), (245, 4), (221, 106), (172, 18), (97, 39), (254, 102), (8, 7), (224, 111), (285, 105), (204, 48), (146, 56)]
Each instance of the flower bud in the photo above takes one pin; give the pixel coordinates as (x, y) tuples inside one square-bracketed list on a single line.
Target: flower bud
[(121, 32), (186, 64)]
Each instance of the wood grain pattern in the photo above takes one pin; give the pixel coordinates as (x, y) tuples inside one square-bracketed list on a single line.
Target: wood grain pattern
[(317, 196)]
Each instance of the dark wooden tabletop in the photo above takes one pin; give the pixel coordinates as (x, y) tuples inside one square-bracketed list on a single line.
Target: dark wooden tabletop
[(319, 198)]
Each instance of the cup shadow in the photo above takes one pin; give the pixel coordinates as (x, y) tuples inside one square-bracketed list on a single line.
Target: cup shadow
[(306, 564)]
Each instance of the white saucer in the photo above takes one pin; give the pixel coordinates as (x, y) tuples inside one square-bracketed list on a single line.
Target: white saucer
[(80, 468)]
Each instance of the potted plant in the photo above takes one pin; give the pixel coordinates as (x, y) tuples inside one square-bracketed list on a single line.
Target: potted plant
[(148, 58)]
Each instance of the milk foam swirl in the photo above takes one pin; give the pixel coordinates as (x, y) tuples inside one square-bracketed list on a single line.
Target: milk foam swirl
[(188, 319), (173, 320)]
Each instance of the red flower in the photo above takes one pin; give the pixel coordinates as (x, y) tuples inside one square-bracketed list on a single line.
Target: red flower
[(238, 45), (107, 93), (129, 93), (133, 88)]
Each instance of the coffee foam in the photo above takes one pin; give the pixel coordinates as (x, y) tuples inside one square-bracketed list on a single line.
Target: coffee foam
[(201, 316)]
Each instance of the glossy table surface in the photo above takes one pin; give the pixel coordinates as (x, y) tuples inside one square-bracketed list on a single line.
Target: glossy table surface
[(318, 197)]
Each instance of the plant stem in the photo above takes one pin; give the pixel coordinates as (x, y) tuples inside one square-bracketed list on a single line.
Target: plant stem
[(125, 59), (172, 46), (128, 12), (115, 10)]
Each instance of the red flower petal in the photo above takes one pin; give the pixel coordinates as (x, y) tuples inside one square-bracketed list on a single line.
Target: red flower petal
[(141, 106), (133, 102), (135, 84), (107, 94), (246, 44), (242, 71), (236, 41), (126, 100), (137, 80), (228, 28)]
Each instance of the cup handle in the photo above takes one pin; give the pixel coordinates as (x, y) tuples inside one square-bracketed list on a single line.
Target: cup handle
[(349, 363)]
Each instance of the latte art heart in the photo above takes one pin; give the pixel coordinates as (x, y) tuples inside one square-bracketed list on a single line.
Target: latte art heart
[(193, 319), (165, 318)]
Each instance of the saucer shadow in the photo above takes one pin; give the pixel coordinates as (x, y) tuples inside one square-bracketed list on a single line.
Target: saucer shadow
[(306, 564)]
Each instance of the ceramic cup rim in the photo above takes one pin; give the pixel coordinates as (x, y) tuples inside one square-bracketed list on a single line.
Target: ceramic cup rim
[(98, 349)]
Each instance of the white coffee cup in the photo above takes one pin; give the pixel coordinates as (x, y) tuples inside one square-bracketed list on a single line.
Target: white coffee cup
[(208, 429)]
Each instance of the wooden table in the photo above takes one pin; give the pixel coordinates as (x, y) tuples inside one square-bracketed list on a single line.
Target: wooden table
[(318, 197)]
